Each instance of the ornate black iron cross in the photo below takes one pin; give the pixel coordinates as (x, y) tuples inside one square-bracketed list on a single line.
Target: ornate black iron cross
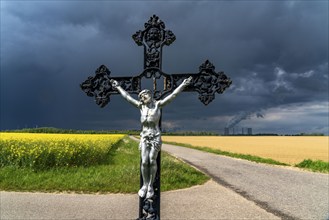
[(207, 82)]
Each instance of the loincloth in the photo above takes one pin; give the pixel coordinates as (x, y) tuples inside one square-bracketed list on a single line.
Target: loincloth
[(151, 140)]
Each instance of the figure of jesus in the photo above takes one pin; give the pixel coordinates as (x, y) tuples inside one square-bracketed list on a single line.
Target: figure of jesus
[(150, 137)]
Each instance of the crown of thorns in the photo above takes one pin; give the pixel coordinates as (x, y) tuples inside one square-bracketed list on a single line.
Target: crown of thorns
[(143, 92)]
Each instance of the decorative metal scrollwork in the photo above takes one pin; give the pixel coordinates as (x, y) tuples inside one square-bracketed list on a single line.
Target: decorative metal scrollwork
[(153, 38), (208, 82), (99, 86), (150, 212)]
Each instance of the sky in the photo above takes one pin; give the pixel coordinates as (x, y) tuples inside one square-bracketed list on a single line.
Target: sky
[(275, 52)]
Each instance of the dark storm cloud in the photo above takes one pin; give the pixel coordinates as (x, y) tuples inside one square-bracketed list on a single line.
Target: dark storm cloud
[(276, 53)]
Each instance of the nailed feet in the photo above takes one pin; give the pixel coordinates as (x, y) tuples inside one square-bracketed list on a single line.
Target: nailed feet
[(142, 191), (146, 191), (150, 192)]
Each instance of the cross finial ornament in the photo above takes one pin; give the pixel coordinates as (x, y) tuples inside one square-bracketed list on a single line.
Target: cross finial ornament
[(153, 37), (207, 82)]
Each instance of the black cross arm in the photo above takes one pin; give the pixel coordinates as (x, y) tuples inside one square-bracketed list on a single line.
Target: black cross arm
[(207, 83), (99, 85)]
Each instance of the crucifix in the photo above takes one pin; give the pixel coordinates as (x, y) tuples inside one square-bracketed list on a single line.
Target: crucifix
[(207, 82)]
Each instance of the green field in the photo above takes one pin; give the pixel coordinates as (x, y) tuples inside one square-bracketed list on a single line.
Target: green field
[(118, 173)]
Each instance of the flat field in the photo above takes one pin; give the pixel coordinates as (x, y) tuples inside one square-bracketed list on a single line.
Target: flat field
[(286, 149), (105, 163), (42, 151)]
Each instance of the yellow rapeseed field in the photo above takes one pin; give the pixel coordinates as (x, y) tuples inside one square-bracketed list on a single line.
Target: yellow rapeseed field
[(54, 150), (54, 137), (286, 149)]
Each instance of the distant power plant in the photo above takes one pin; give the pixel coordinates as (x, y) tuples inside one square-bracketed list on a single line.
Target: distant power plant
[(237, 131)]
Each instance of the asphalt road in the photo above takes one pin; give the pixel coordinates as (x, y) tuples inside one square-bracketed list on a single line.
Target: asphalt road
[(209, 201), (288, 193)]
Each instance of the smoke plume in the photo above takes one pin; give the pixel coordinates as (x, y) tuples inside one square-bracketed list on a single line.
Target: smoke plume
[(243, 116)]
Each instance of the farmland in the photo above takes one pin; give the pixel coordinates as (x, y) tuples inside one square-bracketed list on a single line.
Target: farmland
[(43, 151), (285, 149), (88, 163)]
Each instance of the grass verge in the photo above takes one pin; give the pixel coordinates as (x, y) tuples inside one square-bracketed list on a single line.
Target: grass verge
[(315, 166), (235, 155), (119, 175)]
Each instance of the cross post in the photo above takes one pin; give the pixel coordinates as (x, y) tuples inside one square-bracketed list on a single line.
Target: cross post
[(207, 82)]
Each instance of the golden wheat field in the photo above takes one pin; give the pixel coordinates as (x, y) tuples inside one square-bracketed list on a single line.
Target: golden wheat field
[(286, 149)]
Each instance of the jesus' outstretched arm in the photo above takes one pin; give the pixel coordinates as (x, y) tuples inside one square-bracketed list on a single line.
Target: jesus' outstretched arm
[(124, 93), (178, 90)]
